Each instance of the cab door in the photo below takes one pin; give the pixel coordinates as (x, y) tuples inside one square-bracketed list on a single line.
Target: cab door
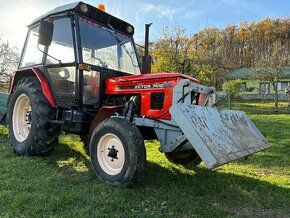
[(60, 62)]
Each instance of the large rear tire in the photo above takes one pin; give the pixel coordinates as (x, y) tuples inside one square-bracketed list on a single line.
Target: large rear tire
[(117, 152), (187, 158), (28, 116)]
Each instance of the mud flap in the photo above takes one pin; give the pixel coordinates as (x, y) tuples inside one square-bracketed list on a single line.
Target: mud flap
[(218, 136)]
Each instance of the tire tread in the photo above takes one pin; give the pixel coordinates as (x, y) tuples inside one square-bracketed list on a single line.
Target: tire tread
[(42, 141)]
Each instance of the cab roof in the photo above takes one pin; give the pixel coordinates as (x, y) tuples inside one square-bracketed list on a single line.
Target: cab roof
[(93, 13)]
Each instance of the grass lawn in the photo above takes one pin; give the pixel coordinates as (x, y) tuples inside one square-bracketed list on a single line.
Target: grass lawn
[(64, 185)]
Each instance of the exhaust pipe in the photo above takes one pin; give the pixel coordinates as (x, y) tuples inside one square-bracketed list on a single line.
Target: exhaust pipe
[(146, 59)]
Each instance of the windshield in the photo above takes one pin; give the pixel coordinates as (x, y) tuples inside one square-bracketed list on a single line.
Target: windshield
[(107, 48)]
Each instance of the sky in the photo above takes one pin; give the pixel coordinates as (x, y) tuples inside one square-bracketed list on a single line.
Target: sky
[(194, 15)]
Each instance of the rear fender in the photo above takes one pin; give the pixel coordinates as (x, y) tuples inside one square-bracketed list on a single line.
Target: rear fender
[(34, 72)]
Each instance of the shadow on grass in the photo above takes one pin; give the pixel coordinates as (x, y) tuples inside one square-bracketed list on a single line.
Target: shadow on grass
[(69, 160), (163, 189), (269, 159), (236, 194), (185, 192)]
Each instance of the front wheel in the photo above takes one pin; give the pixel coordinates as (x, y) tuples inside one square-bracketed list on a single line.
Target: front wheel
[(117, 152), (187, 158)]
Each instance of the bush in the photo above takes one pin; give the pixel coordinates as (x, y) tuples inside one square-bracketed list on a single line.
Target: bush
[(4, 86), (232, 87), (3, 131)]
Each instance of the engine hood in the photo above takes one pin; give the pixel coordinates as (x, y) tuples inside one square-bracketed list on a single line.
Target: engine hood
[(155, 91), (151, 76), (144, 82)]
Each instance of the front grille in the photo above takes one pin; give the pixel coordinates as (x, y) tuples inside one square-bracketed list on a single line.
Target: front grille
[(157, 100)]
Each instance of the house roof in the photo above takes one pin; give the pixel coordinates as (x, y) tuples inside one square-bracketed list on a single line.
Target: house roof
[(246, 73)]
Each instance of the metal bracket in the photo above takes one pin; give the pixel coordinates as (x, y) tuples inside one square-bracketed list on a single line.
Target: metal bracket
[(185, 87), (168, 133)]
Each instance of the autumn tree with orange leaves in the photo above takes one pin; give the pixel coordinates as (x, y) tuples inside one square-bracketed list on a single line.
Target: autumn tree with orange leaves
[(211, 53)]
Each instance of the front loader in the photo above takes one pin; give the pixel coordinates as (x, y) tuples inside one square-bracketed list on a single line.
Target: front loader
[(79, 73)]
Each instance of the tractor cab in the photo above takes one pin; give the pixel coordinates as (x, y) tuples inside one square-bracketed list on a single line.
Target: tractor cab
[(78, 46)]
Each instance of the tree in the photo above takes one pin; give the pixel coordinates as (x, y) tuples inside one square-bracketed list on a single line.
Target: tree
[(208, 54), (171, 51), (273, 54), (232, 88), (211, 53), (199, 55), (8, 60)]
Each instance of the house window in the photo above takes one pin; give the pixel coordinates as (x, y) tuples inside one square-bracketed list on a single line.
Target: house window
[(281, 86), (244, 86), (264, 88)]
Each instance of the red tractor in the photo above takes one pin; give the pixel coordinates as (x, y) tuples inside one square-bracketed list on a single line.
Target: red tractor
[(79, 73)]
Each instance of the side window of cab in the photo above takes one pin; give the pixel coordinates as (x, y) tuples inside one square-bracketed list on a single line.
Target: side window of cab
[(61, 47), (31, 54)]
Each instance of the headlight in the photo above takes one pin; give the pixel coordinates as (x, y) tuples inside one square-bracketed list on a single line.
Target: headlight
[(84, 8), (129, 29)]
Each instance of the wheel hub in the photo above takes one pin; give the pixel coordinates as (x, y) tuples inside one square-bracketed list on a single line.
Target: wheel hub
[(28, 117), (113, 153)]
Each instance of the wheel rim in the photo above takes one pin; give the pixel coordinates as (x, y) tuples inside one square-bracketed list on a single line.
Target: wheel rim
[(111, 154), (21, 118)]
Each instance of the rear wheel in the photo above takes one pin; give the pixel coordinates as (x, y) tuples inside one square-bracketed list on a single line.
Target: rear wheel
[(28, 115), (117, 152), (187, 158)]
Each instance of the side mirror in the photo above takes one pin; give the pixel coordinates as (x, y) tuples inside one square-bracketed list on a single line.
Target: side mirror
[(45, 33)]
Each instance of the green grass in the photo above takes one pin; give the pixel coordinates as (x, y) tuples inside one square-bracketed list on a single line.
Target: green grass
[(64, 185), (257, 107)]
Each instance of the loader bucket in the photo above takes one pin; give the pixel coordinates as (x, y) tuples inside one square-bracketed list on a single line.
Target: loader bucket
[(218, 136)]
